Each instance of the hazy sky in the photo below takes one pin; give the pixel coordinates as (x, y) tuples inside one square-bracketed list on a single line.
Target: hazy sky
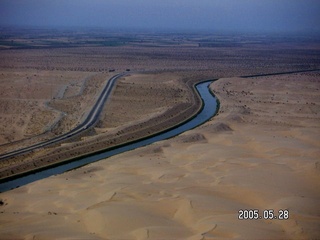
[(212, 15)]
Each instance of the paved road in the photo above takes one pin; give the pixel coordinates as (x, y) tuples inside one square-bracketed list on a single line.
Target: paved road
[(91, 119)]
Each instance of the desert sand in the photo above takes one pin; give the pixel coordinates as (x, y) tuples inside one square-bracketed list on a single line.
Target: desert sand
[(260, 152)]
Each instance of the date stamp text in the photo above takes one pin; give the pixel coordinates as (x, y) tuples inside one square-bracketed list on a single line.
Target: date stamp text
[(268, 214)]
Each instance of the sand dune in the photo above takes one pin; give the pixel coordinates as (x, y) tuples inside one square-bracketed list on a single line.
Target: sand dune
[(260, 152)]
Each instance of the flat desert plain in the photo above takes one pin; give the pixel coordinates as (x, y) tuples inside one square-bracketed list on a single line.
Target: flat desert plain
[(260, 152)]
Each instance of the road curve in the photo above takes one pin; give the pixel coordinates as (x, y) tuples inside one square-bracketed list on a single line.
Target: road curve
[(90, 120)]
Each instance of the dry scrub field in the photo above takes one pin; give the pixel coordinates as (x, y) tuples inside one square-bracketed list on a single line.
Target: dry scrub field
[(37, 105)]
